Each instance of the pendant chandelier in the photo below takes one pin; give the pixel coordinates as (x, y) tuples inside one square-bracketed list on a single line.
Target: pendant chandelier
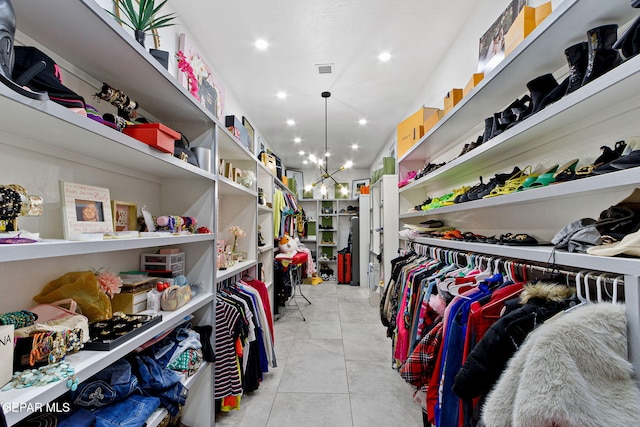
[(324, 165)]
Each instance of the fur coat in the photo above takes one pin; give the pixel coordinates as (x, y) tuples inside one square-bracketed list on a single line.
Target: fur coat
[(571, 372)]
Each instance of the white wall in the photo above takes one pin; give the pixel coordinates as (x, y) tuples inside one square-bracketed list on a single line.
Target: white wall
[(346, 176)]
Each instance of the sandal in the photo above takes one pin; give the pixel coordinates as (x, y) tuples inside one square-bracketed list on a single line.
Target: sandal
[(548, 178), (534, 177), (520, 240), (512, 184)]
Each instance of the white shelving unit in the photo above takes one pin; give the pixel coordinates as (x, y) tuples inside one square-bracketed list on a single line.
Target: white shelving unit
[(384, 222), (43, 143), (600, 113), (327, 213)]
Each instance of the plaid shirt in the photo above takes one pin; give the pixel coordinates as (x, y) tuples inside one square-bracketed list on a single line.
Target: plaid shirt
[(419, 367)]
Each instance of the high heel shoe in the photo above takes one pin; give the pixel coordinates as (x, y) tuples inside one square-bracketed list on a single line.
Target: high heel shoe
[(547, 178), (512, 184), (531, 179)]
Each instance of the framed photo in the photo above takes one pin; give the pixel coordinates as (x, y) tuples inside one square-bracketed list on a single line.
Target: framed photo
[(298, 176), (250, 131), (491, 49), (85, 209), (210, 91), (260, 145), (356, 184), (125, 216)]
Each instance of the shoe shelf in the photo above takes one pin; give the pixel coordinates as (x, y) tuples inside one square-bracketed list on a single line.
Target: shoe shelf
[(542, 254), (88, 363), (566, 25), (623, 180), (265, 248), (591, 105), (328, 245)]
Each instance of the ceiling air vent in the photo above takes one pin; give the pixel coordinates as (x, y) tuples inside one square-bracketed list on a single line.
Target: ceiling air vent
[(325, 68)]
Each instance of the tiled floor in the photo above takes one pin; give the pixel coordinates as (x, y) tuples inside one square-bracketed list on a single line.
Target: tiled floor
[(333, 369)]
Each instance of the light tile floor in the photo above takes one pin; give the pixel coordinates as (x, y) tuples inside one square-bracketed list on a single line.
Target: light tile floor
[(334, 369)]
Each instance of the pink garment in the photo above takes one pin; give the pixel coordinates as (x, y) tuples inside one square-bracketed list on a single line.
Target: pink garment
[(311, 267)]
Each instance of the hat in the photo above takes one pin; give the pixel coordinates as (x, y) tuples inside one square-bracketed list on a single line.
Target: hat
[(629, 245)]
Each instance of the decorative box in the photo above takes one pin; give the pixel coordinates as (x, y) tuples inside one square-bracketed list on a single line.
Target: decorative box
[(451, 99), (411, 129), (235, 126), (6, 353), (526, 21), (473, 82), (131, 302), (156, 135)]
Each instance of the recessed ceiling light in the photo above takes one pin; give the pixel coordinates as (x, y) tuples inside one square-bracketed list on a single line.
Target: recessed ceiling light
[(384, 56), (261, 44), (297, 140), (362, 121), (301, 152), (281, 95), (304, 162), (354, 146), (327, 154), (291, 122)]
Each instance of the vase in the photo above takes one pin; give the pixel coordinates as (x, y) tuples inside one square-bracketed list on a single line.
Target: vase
[(235, 245), (139, 35)]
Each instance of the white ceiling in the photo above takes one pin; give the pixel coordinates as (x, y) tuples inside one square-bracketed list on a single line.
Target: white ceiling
[(347, 33)]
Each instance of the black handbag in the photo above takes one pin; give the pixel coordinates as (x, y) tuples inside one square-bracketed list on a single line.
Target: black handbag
[(182, 151)]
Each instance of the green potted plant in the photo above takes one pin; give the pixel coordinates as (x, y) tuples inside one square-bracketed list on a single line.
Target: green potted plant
[(142, 17)]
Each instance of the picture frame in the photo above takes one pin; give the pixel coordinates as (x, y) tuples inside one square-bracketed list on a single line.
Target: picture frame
[(250, 131), (356, 184), (210, 91), (298, 176), (85, 209), (125, 215), (491, 46)]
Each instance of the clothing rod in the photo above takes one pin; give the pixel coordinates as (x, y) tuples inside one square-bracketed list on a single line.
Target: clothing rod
[(509, 264)]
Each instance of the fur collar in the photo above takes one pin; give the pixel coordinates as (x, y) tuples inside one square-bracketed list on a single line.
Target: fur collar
[(572, 372)]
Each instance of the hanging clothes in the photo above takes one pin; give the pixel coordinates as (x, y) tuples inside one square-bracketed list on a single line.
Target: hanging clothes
[(572, 371)]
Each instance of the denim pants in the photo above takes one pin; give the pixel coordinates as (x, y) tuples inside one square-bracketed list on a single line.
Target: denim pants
[(131, 412), (110, 385), (162, 383)]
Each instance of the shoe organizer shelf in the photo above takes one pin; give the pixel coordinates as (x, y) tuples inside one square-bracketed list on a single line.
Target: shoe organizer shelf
[(566, 25), (331, 227), (43, 143), (575, 127)]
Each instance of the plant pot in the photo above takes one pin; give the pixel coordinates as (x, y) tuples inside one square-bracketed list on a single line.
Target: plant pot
[(139, 35), (162, 56)]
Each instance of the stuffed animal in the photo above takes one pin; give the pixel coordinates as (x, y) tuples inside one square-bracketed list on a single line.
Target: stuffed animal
[(288, 247)]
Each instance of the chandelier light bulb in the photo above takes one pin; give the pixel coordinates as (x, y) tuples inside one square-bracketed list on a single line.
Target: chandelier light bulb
[(344, 190), (323, 190), (312, 158), (348, 164), (308, 187)]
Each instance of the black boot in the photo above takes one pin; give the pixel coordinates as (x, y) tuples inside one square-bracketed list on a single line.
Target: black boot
[(488, 128), (577, 56), (629, 42), (540, 87), (602, 56)]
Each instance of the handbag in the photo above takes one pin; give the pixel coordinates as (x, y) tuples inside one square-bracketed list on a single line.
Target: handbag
[(55, 317), (175, 297), (83, 288), (181, 150)]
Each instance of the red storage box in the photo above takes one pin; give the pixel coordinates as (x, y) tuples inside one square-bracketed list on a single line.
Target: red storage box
[(156, 135)]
